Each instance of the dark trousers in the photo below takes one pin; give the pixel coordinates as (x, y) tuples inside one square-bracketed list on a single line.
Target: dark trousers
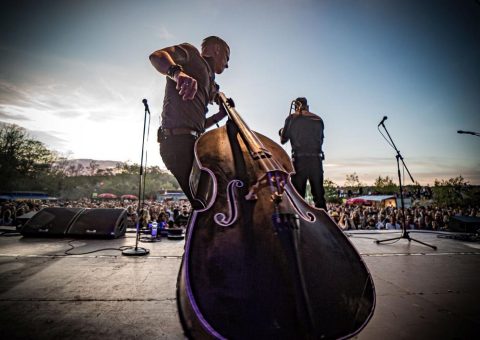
[(310, 168), (177, 154)]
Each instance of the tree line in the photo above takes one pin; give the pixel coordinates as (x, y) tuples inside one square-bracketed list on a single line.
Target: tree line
[(28, 165), (450, 192)]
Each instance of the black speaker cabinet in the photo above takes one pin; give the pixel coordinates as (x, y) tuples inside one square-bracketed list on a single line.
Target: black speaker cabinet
[(50, 222), (104, 223)]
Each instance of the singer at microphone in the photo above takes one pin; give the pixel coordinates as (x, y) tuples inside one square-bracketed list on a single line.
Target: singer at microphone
[(305, 131), (384, 119)]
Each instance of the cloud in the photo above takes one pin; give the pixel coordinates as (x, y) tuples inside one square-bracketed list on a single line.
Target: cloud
[(50, 138), (11, 93), (66, 87), (87, 110), (90, 96), (163, 33), (19, 102), (10, 116)]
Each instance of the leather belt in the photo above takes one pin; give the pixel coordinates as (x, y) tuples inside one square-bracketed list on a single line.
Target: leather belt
[(305, 154), (180, 131)]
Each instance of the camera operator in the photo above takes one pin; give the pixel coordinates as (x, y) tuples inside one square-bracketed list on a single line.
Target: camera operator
[(304, 129)]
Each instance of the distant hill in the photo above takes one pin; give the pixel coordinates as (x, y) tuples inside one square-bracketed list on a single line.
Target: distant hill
[(83, 167), (102, 164)]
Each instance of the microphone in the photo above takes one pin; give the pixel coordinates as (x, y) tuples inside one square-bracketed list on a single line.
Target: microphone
[(466, 132), (384, 119), (144, 101)]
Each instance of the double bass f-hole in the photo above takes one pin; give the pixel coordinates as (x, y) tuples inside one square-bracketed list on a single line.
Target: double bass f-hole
[(220, 218)]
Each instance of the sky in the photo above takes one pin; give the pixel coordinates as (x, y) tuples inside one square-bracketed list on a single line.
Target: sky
[(74, 73)]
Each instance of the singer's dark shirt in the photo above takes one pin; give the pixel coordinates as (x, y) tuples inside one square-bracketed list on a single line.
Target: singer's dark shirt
[(190, 114), (305, 132)]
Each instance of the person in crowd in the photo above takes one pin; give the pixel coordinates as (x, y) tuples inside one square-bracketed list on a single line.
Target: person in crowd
[(428, 222), (154, 212), (144, 218), (162, 217), (392, 222), (176, 212), (370, 223), (168, 211), (438, 219), (339, 216), (182, 219), (364, 219), (355, 219), (410, 222), (381, 222), (190, 87), (445, 219), (421, 222), (304, 130)]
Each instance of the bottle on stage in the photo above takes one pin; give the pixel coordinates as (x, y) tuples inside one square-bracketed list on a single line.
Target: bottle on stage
[(154, 229)]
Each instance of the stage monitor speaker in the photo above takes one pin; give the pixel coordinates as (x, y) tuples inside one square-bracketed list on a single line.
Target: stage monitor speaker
[(99, 222), (464, 224), (50, 222)]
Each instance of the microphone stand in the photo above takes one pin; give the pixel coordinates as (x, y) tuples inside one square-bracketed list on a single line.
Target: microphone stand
[(405, 234), (139, 251), (473, 133)]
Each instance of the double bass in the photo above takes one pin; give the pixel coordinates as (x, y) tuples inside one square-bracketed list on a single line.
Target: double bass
[(259, 262)]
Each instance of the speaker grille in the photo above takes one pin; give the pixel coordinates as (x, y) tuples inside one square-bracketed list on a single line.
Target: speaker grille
[(50, 222), (105, 223)]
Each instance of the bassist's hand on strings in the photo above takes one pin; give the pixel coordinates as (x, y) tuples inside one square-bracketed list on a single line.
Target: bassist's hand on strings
[(222, 113)]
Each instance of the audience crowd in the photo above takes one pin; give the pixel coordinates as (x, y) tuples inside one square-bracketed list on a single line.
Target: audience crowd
[(172, 213), (176, 213), (416, 217)]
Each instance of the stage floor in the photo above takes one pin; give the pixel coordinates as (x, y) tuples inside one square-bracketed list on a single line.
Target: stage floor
[(45, 294)]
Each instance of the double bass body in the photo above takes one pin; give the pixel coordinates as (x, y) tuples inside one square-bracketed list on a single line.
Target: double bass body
[(264, 267)]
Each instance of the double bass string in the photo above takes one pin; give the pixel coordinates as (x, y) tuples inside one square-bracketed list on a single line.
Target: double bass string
[(274, 170)]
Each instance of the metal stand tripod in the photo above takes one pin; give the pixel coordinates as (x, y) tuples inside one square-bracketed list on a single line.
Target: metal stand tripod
[(139, 251), (405, 234)]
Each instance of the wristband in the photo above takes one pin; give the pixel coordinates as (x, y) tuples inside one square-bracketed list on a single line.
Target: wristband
[(174, 69)]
